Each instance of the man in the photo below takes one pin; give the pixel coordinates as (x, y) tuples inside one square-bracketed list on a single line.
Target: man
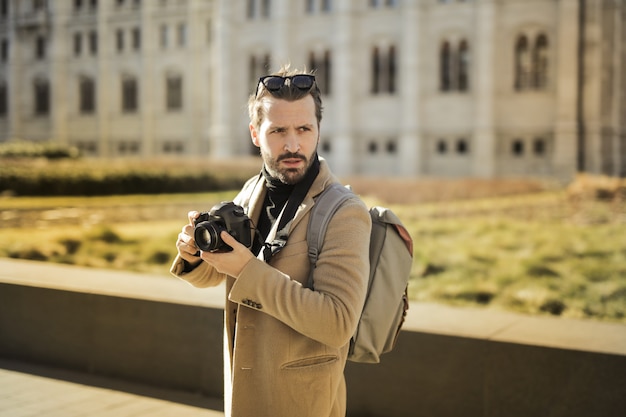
[(286, 344)]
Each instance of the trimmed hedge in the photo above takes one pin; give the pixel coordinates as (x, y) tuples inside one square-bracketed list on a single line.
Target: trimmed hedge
[(27, 149), (100, 177)]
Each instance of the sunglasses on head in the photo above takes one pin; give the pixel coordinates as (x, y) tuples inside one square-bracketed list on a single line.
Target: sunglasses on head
[(274, 83)]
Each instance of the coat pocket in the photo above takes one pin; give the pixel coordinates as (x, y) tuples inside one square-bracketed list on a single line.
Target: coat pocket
[(310, 362)]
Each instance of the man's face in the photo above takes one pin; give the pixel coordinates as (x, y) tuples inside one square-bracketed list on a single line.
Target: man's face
[(287, 137)]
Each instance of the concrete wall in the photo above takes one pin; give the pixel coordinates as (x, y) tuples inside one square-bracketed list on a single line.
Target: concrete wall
[(448, 362)]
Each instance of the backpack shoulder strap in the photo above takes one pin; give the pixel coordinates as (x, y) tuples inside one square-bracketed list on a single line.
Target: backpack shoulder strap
[(326, 204)]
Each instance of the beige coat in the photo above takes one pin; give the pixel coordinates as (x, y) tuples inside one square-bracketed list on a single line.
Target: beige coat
[(285, 345)]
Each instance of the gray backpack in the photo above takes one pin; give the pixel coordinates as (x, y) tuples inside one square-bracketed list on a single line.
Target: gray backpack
[(391, 257)]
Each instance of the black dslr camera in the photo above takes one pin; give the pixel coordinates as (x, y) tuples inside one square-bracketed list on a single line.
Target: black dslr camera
[(226, 216)]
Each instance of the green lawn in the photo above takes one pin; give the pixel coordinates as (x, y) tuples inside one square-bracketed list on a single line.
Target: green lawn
[(538, 254)]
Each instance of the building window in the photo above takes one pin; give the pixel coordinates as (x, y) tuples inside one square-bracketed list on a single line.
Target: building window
[(392, 146), (517, 147), (539, 147), (4, 105), (182, 34), (119, 40), (445, 70), (174, 93), (531, 63), (41, 90), (266, 7), (128, 148), (4, 50), (522, 63), (463, 66), (454, 66), (78, 44), (384, 70), (163, 36), (257, 67), (129, 95), (87, 95), (40, 47), (4, 8), (442, 147), (39, 5), (372, 147), (136, 38), (78, 4), (326, 147), (540, 63), (258, 8), (321, 67), (93, 42), (462, 147), (374, 4), (173, 147)]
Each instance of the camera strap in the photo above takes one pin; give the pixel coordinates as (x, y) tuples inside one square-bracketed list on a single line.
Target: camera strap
[(282, 226)]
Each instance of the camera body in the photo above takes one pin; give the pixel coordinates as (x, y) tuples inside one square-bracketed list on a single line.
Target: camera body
[(226, 216)]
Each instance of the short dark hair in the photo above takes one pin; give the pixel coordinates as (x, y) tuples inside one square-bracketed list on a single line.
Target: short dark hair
[(288, 92)]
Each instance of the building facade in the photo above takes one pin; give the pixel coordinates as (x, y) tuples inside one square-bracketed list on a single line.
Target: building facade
[(446, 88)]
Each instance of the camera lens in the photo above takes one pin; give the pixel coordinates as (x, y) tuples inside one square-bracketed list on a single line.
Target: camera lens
[(207, 236)]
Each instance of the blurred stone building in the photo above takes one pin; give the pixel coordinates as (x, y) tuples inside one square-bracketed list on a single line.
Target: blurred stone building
[(487, 88)]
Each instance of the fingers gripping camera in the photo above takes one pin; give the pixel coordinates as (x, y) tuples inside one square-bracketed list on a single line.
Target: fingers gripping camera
[(226, 216)]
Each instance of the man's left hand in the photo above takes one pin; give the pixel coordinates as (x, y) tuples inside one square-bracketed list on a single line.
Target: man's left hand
[(230, 263)]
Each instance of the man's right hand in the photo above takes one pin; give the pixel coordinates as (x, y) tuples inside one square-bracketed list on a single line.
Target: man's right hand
[(185, 244)]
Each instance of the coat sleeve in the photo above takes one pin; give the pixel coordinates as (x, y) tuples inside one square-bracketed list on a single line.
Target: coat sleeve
[(201, 276), (330, 313)]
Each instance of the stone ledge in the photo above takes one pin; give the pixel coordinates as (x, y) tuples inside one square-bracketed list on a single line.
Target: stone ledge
[(449, 361), (486, 324)]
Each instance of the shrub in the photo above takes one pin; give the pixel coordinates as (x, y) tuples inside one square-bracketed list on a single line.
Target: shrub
[(28, 149)]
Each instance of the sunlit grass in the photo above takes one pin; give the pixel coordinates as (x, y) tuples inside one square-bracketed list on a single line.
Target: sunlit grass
[(549, 252)]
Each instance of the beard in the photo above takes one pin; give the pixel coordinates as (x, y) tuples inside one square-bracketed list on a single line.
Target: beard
[(289, 176)]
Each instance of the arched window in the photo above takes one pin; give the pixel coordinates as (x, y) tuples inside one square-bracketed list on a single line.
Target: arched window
[(258, 67), (384, 70), (391, 67), (4, 107), (445, 67), (174, 92), (540, 63), (463, 71), (87, 95), (376, 71), (522, 63), (41, 90), (321, 66), (129, 94)]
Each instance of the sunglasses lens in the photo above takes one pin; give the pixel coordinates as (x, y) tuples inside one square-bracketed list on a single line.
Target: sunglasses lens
[(303, 82), (273, 83)]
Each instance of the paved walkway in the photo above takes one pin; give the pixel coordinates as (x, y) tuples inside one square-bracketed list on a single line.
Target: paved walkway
[(34, 391)]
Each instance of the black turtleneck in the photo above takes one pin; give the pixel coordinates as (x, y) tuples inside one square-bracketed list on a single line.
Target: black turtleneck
[(278, 194)]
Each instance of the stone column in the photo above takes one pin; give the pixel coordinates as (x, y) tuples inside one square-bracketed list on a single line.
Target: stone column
[(483, 146), (59, 55), (618, 105), (103, 83), (409, 149), (194, 85), (146, 79), (565, 154), (343, 91), (13, 80), (280, 17), (221, 135)]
